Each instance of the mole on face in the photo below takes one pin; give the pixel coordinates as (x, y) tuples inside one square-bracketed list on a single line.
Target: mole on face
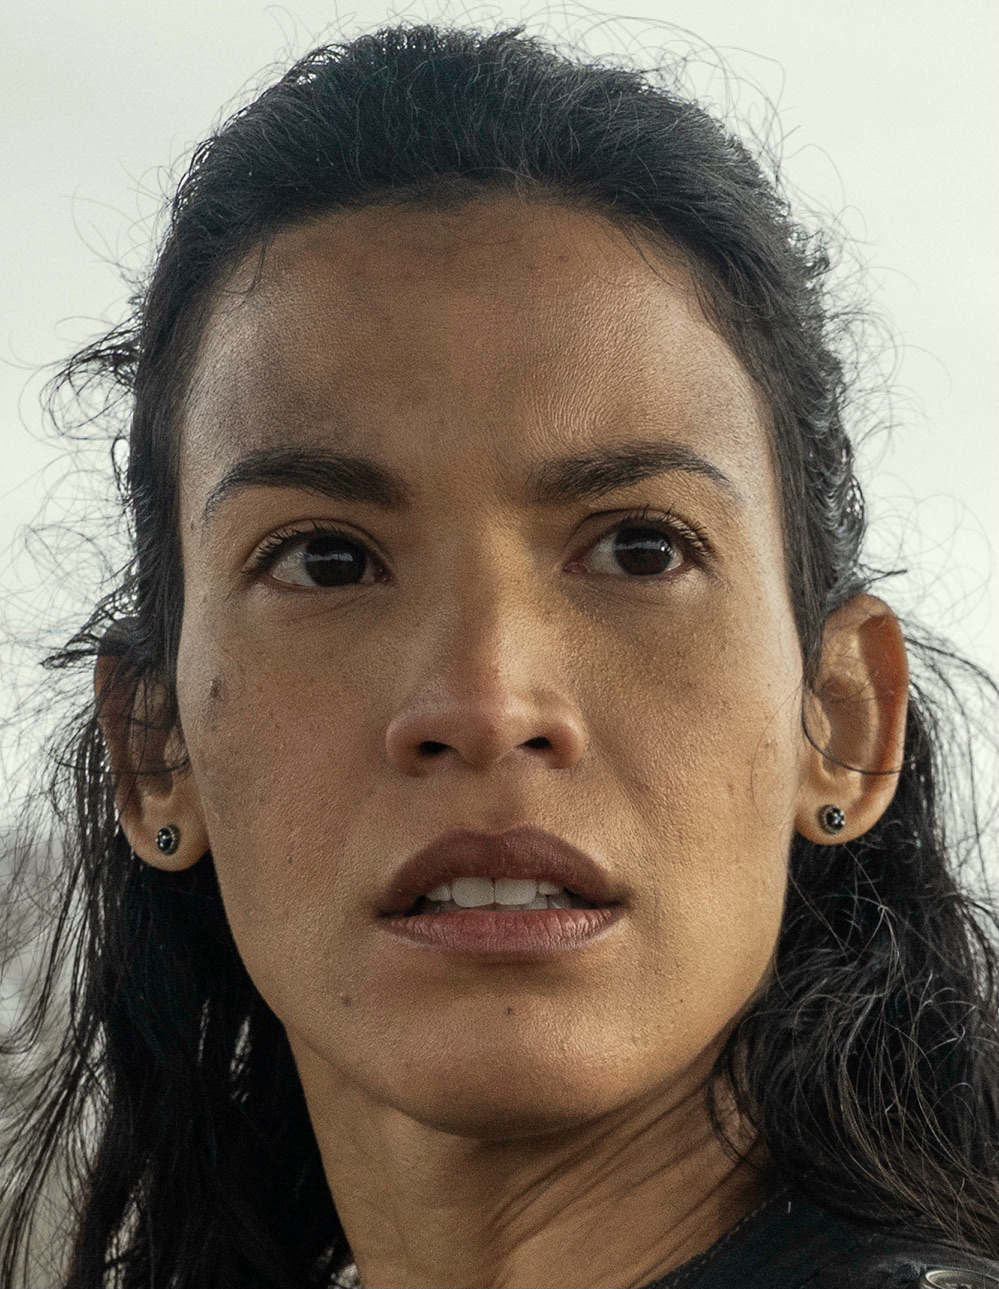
[(214, 702)]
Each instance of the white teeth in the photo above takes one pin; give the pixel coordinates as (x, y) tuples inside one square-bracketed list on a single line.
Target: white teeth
[(515, 890), (539, 902), (503, 892), (472, 892)]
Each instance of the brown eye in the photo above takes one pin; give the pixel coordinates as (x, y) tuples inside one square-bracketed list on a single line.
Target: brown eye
[(639, 550), (323, 560)]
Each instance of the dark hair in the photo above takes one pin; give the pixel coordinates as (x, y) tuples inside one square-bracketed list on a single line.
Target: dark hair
[(870, 1065)]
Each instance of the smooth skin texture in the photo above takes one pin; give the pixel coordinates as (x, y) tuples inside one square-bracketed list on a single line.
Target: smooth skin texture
[(487, 1124)]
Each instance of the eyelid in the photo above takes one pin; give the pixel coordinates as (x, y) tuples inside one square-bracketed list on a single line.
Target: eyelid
[(694, 536), (276, 544), (266, 553)]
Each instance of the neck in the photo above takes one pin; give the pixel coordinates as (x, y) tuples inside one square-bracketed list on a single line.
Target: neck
[(616, 1202)]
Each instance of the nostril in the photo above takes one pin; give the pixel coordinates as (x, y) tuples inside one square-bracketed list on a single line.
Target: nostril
[(432, 749), (540, 741)]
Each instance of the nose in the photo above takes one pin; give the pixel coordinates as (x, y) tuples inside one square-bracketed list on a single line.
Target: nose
[(485, 686), (481, 728)]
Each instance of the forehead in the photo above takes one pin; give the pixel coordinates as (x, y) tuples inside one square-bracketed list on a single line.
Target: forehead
[(502, 328)]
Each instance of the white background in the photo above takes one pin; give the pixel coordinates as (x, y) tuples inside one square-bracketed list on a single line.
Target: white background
[(889, 123)]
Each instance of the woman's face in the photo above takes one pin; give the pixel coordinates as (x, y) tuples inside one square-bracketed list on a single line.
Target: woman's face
[(489, 654)]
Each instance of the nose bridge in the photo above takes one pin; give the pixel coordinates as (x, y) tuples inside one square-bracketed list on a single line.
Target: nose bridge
[(483, 636), (484, 675)]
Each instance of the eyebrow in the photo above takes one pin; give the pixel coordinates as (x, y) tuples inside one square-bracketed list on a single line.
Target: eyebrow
[(342, 477)]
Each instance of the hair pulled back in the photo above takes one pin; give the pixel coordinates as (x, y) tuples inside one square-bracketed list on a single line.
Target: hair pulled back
[(871, 1064)]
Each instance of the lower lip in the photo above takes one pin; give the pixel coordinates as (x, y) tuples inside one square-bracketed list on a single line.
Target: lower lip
[(494, 933)]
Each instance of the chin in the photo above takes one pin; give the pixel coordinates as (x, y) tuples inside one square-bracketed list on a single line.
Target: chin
[(515, 1094)]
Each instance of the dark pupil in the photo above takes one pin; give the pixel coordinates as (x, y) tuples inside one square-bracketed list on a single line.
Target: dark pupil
[(643, 551), (331, 561)]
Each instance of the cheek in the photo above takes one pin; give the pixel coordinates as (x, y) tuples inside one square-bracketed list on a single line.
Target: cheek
[(276, 764), (706, 715), (711, 750)]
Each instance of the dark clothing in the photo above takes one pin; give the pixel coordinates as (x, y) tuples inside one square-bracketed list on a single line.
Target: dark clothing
[(790, 1242)]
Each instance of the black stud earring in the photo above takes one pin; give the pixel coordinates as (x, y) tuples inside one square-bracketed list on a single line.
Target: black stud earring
[(832, 819), (168, 839)]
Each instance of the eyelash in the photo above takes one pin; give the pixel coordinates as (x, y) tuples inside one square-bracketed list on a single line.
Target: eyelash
[(698, 547)]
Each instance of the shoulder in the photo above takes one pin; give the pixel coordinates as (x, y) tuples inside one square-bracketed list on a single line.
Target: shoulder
[(791, 1242)]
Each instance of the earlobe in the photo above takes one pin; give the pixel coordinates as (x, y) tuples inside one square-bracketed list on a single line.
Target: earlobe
[(159, 808), (855, 721)]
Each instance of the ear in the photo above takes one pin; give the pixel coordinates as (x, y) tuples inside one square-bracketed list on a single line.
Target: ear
[(153, 787), (855, 718)]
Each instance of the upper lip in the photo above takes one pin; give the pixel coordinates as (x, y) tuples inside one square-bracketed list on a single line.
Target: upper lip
[(518, 852)]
